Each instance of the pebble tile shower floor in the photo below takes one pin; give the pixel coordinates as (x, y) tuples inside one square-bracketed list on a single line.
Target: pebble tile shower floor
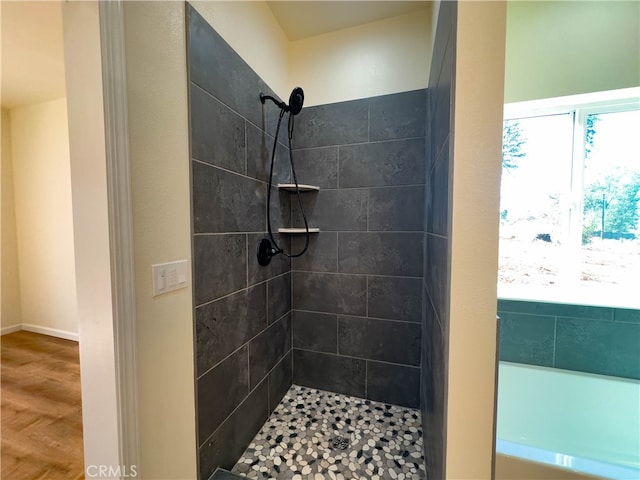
[(318, 435)]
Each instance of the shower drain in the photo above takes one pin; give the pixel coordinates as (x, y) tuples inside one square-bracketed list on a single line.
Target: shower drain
[(340, 443)]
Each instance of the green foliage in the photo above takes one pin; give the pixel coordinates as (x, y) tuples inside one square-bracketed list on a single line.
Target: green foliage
[(590, 133), (588, 230), (512, 142), (618, 194)]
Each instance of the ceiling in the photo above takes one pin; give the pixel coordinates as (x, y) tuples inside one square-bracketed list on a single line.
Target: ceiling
[(33, 50), (303, 19)]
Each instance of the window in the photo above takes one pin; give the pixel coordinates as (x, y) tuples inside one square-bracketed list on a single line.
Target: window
[(570, 200)]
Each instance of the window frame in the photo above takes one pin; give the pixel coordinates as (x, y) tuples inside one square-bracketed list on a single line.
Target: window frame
[(579, 107)]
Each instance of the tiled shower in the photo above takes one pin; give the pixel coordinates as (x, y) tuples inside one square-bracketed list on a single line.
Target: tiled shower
[(362, 313)]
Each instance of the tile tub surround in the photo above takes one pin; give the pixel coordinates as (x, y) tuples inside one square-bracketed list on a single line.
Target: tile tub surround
[(242, 312), (583, 338), (297, 442), (357, 291)]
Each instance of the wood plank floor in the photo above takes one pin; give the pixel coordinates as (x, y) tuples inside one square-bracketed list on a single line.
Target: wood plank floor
[(41, 412)]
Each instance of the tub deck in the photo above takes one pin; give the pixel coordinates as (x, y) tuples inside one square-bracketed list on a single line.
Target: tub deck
[(577, 421)]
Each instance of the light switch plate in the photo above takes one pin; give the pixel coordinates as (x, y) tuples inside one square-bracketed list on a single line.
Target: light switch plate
[(171, 276)]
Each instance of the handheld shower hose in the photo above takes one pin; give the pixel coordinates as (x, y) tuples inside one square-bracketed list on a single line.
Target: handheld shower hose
[(269, 248)]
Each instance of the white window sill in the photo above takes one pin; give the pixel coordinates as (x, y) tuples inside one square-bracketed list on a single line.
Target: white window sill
[(611, 296)]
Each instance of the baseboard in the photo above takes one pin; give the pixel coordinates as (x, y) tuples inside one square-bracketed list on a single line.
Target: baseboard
[(52, 332), (11, 329)]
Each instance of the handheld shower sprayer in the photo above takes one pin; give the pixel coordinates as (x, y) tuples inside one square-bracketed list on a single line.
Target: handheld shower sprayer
[(268, 247)]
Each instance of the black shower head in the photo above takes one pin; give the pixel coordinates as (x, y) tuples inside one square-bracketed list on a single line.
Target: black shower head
[(296, 99)]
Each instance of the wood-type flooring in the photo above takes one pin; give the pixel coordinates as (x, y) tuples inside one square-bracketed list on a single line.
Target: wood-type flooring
[(41, 412)]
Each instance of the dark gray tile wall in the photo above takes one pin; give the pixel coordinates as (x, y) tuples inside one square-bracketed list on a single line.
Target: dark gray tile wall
[(357, 291), (242, 311), (437, 245), (583, 338), (370, 296)]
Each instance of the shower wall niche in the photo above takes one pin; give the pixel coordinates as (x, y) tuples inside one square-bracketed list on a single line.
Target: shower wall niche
[(345, 317)]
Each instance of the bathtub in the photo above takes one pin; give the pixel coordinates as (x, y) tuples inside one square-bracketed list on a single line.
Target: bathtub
[(559, 424)]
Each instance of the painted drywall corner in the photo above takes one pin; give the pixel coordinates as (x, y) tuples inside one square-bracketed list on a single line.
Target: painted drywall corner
[(155, 41), (11, 311), (474, 238)]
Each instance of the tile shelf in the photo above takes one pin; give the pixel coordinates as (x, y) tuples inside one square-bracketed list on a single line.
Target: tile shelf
[(295, 231), (291, 187)]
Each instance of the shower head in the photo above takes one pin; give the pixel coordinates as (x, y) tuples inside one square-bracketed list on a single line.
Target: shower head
[(296, 99)]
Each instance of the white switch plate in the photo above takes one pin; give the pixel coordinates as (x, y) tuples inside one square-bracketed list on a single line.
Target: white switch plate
[(171, 276)]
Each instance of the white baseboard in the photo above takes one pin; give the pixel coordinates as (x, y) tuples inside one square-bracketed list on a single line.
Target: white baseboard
[(52, 332), (11, 329)]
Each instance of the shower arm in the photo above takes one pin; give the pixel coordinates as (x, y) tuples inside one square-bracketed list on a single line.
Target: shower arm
[(282, 105)]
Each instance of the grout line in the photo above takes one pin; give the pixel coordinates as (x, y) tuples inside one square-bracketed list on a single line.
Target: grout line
[(267, 302), (368, 213), (366, 371), (368, 121), (360, 316), (338, 168), (269, 325), (268, 379), (292, 362), (358, 274), (366, 295), (244, 399), (218, 167), (221, 234), (417, 367), (386, 232), (371, 187), (338, 334), (355, 144), (338, 252), (248, 369), (233, 109), (437, 235), (363, 187), (291, 301), (246, 150), (248, 257), (238, 291), (555, 338)]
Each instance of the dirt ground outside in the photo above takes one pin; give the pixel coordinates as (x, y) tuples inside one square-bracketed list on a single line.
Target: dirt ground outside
[(525, 261)]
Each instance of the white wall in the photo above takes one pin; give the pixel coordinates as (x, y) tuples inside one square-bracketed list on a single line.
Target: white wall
[(10, 308), (83, 72), (378, 58), (560, 48), (42, 183), (474, 239), (253, 32), (387, 56), (159, 154)]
